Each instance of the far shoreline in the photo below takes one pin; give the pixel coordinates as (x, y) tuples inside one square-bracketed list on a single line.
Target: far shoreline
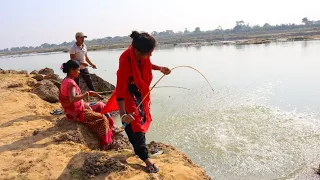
[(261, 39)]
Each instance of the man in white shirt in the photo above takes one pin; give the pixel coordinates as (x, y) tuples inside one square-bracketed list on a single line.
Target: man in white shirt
[(78, 52)]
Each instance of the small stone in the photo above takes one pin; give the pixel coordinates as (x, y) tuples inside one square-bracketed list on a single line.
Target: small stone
[(53, 77), (31, 82), (35, 132), (35, 72), (46, 71), (4, 72), (22, 72), (38, 77), (15, 85), (12, 72)]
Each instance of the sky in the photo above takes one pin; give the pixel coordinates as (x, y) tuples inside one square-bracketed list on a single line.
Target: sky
[(34, 22)]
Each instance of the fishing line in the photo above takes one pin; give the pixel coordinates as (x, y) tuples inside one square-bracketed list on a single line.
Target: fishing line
[(102, 70), (178, 87), (165, 75), (183, 66)]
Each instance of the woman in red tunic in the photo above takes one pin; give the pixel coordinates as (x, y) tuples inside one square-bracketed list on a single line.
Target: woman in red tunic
[(133, 81)]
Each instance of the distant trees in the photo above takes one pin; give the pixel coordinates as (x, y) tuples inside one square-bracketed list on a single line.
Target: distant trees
[(45, 45), (186, 31), (64, 43), (170, 32), (197, 30), (179, 33), (241, 26), (154, 33), (266, 25), (240, 23), (256, 27), (218, 30), (163, 33), (15, 49), (306, 21)]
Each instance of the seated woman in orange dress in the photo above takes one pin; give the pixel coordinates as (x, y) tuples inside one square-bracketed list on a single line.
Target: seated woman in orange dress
[(77, 110)]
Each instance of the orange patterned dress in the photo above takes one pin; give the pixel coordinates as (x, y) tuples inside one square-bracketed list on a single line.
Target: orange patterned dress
[(75, 111)]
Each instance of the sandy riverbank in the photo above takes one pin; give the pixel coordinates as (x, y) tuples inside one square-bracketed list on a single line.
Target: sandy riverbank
[(37, 145)]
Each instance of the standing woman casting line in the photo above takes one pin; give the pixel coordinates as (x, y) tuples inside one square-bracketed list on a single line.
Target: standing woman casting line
[(134, 77)]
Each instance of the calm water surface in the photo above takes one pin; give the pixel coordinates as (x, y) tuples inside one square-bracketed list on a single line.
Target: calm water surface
[(262, 121)]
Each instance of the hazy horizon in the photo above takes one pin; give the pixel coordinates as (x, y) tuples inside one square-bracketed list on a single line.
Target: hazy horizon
[(32, 23)]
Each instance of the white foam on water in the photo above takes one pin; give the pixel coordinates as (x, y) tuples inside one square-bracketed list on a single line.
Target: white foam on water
[(234, 135)]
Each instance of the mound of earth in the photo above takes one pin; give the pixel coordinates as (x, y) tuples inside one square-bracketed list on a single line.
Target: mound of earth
[(99, 163), (99, 84), (47, 91), (78, 133)]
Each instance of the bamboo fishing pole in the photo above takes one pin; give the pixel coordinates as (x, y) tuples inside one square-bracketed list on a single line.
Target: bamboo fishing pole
[(183, 66)]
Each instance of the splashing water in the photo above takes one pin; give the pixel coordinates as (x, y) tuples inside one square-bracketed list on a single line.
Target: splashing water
[(233, 135)]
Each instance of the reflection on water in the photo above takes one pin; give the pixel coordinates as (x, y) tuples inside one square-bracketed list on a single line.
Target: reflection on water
[(266, 45), (240, 47), (305, 44), (198, 47), (262, 122), (219, 46)]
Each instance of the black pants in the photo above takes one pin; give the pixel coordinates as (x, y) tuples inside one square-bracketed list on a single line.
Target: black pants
[(84, 73), (138, 141)]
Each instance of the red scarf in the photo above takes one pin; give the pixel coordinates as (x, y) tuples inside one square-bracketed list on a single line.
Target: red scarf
[(142, 76)]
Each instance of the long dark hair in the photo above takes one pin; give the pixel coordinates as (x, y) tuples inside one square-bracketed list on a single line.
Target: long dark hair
[(68, 66), (143, 42)]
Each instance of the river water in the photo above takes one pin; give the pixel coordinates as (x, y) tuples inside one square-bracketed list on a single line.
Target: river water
[(262, 121)]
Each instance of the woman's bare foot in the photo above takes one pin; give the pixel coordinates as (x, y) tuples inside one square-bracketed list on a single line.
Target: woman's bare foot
[(151, 167)]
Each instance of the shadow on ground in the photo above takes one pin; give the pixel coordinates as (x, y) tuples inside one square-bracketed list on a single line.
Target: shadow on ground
[(62, 130), (98, 165)]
